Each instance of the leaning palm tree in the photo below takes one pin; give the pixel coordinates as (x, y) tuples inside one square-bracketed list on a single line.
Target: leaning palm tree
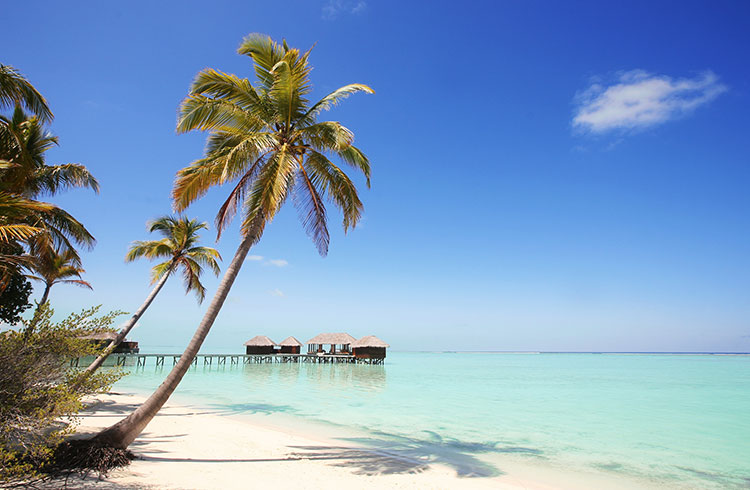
[(267, 139), (15, 89), (56, 267), (180, 249)]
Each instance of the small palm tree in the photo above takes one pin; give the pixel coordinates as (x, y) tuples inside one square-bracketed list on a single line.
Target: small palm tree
[(15, 89), (266, 137), (179, 248), (56, 267)]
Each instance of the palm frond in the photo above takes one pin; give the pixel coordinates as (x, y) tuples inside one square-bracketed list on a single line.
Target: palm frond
[(334, 98), (312, 211), (335, 185), (327, 136), (265, 53), (16, 89), (77, 282), (18, 232), (53, 179), (204, 114), (159, 270)]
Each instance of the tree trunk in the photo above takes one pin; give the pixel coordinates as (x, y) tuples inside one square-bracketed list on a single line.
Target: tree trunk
[(34, 319), (127, 327), (124, 432), (45, 296)]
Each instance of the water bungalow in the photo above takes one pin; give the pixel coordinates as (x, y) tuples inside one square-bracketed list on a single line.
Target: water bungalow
[(339, 343), (290, 345), (260, 344), (102, 339), (369, 347)]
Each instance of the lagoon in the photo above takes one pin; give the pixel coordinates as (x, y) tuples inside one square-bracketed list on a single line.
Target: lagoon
[(645, 420)]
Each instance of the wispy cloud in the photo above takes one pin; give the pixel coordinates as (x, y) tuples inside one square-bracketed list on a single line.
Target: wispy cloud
[(638, 99), (265, 261), (334, 8), (277, 292)]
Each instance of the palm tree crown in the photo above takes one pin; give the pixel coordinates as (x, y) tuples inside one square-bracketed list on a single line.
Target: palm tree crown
[(24, 172), (179, 247), (56, 267), (267, 138)]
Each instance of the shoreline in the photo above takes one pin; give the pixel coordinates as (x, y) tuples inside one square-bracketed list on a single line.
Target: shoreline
[(187, 447)]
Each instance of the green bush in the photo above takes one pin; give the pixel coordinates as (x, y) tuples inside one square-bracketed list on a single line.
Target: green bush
[(40, 394)]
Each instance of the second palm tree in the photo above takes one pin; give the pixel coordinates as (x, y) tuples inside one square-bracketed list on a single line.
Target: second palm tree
[(179, 248)]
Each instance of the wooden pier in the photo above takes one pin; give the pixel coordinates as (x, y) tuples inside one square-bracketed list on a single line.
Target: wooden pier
[(235, 359)]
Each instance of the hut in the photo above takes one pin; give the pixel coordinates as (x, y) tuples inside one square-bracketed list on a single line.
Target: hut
[(102, 339), (369, 347), (340, 343), (290, 345), (260, 344)]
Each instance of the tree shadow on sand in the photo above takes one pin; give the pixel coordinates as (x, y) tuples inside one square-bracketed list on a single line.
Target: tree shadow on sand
[(385, 453)]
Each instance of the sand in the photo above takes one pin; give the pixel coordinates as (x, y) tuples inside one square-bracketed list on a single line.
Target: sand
[(189, 448)]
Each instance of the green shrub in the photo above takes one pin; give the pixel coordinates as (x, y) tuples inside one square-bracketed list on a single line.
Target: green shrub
[(40, 394)]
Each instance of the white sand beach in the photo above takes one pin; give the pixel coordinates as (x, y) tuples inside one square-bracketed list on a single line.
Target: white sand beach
[(186, 448)]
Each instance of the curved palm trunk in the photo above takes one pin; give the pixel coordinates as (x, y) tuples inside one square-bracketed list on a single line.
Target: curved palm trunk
[(45, 296), (125, 431), (127, 327), (43, 299)]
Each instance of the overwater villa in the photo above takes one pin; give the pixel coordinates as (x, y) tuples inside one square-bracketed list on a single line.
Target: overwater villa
[(260, 344), (102, 339), (338, 343), (290, 345), (369, 347)]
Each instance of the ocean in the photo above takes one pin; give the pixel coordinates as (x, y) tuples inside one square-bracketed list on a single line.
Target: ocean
[(640, 420)]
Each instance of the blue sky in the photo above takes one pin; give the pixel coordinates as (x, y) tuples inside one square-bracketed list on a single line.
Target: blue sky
[(546, 175)]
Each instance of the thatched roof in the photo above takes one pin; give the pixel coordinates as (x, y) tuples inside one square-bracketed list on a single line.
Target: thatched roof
[(332, 338), (369, 341), (100, 336), (290, 341), (260, 340)]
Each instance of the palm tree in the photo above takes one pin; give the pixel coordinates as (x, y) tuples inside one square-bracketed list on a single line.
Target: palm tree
[(265, 137), (13, 213), (56, 267), (15, 89), (179, 248), (24, 172)]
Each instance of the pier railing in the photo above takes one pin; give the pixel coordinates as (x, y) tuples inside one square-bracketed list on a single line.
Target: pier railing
[(235, 359)]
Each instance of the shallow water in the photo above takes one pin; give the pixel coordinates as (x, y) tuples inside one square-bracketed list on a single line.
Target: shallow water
[(662, 420)]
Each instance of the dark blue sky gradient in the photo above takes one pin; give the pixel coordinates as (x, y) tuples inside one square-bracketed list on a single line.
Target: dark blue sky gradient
[(492, 224)]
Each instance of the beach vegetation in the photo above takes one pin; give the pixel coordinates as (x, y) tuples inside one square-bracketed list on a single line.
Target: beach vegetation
[(265, 139), (179, 251), (34, 235), (40, 394), (15, 288)]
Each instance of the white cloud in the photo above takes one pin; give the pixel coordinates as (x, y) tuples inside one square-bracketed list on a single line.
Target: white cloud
[(333, 8), (265, 261), (639, 99), (277, 292)]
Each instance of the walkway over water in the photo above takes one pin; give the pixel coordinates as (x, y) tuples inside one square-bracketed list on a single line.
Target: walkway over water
[(236, 359)]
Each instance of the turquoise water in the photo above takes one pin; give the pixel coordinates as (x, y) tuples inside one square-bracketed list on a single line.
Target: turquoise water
[(662, 420)]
